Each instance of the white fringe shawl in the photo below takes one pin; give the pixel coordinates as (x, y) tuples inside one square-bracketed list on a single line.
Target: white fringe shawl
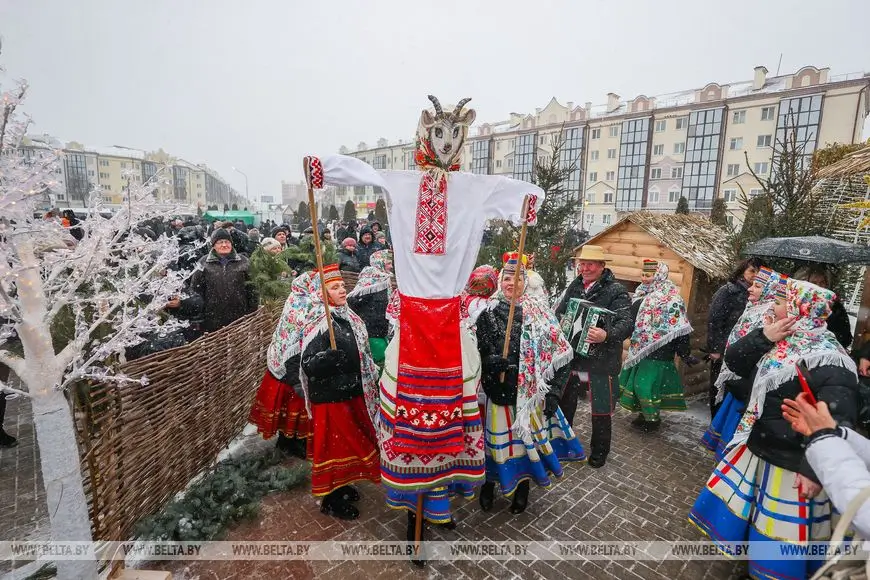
[(641, 354)]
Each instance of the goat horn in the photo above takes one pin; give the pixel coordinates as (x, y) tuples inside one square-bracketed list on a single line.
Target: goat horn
[(458, 108), (437, 105)]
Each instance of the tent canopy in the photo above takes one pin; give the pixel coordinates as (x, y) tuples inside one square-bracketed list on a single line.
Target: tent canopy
[(229, 216)]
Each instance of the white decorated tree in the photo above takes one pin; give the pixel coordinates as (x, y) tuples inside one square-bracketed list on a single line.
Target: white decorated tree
[(107, 291)]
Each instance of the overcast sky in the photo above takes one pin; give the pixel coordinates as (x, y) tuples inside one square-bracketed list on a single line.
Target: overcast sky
[(257, 84)]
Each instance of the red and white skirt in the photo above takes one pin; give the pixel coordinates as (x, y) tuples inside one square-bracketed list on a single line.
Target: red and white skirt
[(276, 408)]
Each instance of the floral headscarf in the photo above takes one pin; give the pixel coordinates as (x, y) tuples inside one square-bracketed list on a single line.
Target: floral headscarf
[(315, 325), (543, 351), (375, 278), (481, 285), (660, 319), (812, 343), (755, 315), (287, 338)]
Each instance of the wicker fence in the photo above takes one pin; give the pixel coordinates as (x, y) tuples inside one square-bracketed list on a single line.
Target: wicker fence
[(141, 445)]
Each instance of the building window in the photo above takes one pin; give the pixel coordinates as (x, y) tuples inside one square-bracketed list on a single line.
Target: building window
[(498, 145), (481, 158), (763, 141), (510, 163), (410, 161), (594, 155), (571, 158), (611, 153), (761, 168), (755, 192), (524, 160), (736, 143), (676, 172), (77, 184), (498, 163), (596, 134), (541, 140), (679, 148), (104, 162), (701, 162), (733, 169), (661, 126), (800, 115), (729, 219), (673, 195), (593, 176), (103, 175), (179, 182), (729, 195), (682, 122), (123, 165), (610, 176), (149, 170), (590, 197), (379, 162), (605, 219), (652, 197), (658, 149), (90, 172), (608, 197), (655, 173), (614, 131), (590, 218), (739, 117), (768, 113), (107, 187), (632, 164)]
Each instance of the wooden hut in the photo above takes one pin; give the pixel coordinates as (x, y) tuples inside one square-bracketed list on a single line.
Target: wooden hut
[(698, 254)]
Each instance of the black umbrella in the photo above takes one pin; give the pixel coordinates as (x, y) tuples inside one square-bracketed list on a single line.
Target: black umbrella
[(810, 249)]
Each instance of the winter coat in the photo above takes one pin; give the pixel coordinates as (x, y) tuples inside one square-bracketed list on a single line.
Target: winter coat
[(680, 346), (838, 323), (333, 384), (841, 464), (772, 437), (726, 307), (604, 358), (364, 251), (372, 308), (348, 262), (225, 290), (291, 375)]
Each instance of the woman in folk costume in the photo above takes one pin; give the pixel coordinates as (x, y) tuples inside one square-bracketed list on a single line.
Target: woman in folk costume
[(763, 292), (649, 382), (764, 489), (482, 284), (279, 406), (370, 298), (341, 396), (525, 432), (432, 436)]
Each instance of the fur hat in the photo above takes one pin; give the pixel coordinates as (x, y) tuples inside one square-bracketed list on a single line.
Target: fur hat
[(220, 234), (270, 243)]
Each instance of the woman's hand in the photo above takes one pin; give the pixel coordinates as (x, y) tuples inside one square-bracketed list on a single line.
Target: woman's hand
[(807, 488), (779, 329), (805, 418)]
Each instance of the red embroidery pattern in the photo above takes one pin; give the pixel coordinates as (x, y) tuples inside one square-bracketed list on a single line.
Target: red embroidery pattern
[(314, 172), (431, 226), (532, 215)]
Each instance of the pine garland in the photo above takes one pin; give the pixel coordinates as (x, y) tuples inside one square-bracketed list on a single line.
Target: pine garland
[(229, 494), (270, 275)]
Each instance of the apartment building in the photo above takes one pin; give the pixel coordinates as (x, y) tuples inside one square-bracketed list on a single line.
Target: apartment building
[(112, 170), (647, 152)]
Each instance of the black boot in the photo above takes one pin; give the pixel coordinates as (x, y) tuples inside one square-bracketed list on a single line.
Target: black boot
[(334, 505), (521, 498), (651, 426), (487, 492), (416, 559), (348, 493), (600, 444), (638, 421), (7, 440)]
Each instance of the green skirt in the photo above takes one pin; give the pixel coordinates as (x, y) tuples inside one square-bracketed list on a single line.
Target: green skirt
[(378, 347), (651, 386)]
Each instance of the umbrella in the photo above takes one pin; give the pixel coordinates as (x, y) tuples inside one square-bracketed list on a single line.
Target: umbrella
[(810, 249)]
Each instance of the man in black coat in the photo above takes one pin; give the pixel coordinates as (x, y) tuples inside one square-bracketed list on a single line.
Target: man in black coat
[(599, 370)]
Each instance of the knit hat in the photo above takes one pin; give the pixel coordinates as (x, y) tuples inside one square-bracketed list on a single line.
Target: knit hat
[(270, 243), (275, 230), (650, 266), (220, 234), (331, 273), (348, 242)]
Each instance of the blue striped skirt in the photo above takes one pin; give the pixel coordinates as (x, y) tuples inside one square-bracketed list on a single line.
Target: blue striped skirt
[(724, 424)]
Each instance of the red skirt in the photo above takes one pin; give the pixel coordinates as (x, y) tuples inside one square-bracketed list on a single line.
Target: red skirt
[(343, 447), (277, 407)]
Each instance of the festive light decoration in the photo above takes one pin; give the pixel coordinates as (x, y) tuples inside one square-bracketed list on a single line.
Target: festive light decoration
[(861, 205)]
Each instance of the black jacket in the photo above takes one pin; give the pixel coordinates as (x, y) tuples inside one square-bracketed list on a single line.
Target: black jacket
[(726, 307), (604, 358), (838, 323), (364, 251), (491, 329), (372, 308), (772, 437), (347, 261), (333, 384), (225, 289), (680, 346), (291, 374)]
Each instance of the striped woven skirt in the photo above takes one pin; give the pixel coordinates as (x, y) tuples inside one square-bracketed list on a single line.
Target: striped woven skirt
[(651, 386), (511, 459), (724, 424), (277, 407), (749, 499)]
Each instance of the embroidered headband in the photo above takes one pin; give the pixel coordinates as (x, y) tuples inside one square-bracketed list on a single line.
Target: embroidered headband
[(763, 275), (331, 273), (780, 291), (650, 266)]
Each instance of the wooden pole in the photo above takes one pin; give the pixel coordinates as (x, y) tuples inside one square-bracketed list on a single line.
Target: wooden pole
[(510, 323), (418, 525), (312, 209)]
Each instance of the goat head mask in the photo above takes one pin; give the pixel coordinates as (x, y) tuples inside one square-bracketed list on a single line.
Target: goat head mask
[(441, 135)]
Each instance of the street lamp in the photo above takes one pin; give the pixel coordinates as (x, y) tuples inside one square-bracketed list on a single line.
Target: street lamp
[(247, 199)]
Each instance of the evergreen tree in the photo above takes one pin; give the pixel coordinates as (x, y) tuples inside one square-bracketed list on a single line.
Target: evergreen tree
[(302, 213), (718, 215), (333, 213), (235, 207), (381, 212), (349, 211), (270, 275), (226, 208), (683, 206)]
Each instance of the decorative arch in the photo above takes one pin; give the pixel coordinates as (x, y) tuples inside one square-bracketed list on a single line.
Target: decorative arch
[(711, 92), (808, 76)]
